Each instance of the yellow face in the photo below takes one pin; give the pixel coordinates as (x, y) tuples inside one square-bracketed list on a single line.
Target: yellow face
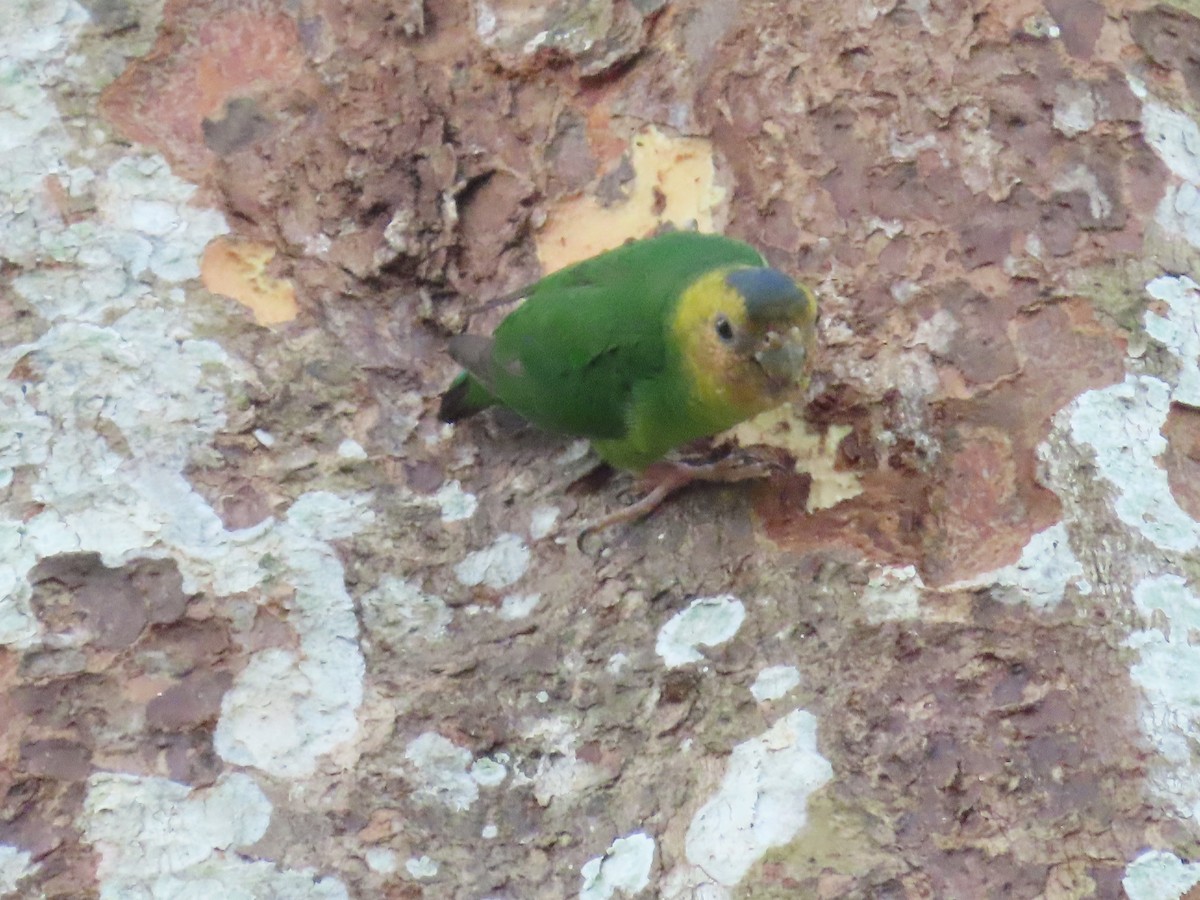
[(746, 336)]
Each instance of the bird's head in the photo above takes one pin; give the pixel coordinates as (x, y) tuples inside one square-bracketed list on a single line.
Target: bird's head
[(746, 335)]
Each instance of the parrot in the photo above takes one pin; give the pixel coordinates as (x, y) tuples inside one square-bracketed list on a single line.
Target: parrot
[(642, 349)]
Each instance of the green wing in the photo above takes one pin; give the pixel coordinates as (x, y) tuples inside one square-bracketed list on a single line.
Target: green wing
[(568, 359)]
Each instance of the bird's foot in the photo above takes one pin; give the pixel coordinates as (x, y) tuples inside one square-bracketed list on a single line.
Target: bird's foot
[(666, 478)]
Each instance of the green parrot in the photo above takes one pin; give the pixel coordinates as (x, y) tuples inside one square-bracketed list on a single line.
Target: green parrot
[(643, 348)]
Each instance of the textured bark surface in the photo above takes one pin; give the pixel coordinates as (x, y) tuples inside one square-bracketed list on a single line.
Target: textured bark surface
[(268, 629)]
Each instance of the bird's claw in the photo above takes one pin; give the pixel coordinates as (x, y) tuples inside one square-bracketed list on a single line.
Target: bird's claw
[(669, 477)]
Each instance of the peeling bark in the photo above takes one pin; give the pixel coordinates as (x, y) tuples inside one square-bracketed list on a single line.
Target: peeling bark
[(251, 588)]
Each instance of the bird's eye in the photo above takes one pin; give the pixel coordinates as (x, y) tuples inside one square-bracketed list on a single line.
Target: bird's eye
[(724, 329)]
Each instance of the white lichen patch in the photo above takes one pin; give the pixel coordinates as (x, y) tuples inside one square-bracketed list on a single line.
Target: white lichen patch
[(937, 332), (456, 504), (1179, 212), (34, 145), (1168, 672), (110, 452), (558, 773), (488, 772), (108, 262), (1158, 875), (706, 622), (159, 839), (893, 592), (15, 865), (984, 167), (1039, 578), (762, 801), (1179, 331), (518, 606), (19, 627), (907, 146), (287, 709), (351, 451), (161, 826), (108, 370), (438, 769), (421, 867), (24, 433), (1175, 137), (542, 521), (398, 611), (33, 38), (1122, 424), (624, 868), (150, 209), (497, 566), (687, 882), (1084, 180), (120, 499), (774, 682), (382, 860), (235, 879), (561, 776), (1074, 108)]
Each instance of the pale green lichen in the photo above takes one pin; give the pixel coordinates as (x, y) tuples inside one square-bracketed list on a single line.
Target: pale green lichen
[(119, 500), (1179, 331), (1175, 137), (542, 521), (1040, 577), (398, 611), (351, 451), (623, 869), (311, 697), (159, 839), (774, 682), (15, 865), (762, 801), (706, 622), (518, 606), (558, 773), (1123, 426), (497, 566), (382, 860), (488, 773), (1157, 875), (438, 771), (1168, 672), (108, 452), (162, 826), (421, 867), (126, 398), (456, 504)]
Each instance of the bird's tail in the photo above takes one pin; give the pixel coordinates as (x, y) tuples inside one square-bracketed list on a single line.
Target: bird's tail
[(465, 397)]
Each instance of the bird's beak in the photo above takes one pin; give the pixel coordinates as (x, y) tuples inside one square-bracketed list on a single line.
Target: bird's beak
[(784, 356)]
